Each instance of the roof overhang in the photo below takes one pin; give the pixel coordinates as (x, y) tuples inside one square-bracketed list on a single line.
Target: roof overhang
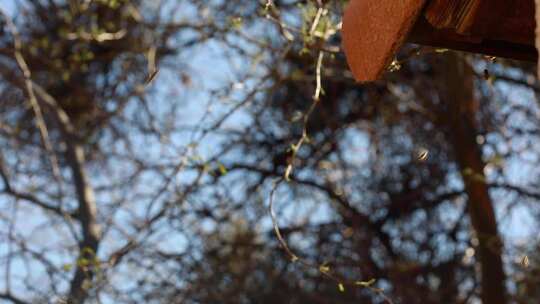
[(375, 30)]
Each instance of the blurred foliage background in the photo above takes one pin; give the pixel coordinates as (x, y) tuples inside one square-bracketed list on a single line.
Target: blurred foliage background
[(142, 141)]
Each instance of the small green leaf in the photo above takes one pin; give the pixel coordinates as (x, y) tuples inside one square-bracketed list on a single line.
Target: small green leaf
[(82, 262), (467, 171), (236, 22), (324, 269), (341, 287), (67, 267), (297, 116), (222, 169)]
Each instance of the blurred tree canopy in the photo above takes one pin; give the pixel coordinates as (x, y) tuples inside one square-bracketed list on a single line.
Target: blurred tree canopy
[(142, 143)]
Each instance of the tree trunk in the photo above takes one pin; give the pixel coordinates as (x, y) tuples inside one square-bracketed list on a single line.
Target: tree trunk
[(457, 91), (87, 215)]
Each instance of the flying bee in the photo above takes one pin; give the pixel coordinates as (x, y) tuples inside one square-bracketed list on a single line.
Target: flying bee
[(421, 154), (524, 261)]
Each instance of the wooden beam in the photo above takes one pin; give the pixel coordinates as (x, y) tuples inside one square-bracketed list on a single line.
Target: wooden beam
[(507, 20), (453, 14), (373, 31), (425, 34)]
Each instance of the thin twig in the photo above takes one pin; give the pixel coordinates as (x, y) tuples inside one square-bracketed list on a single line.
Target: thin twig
[(40, 121), (323, 269), (307, 115), (316, 20)]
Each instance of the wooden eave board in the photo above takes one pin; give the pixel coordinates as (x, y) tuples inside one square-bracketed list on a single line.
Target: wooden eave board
[(374, 30)]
